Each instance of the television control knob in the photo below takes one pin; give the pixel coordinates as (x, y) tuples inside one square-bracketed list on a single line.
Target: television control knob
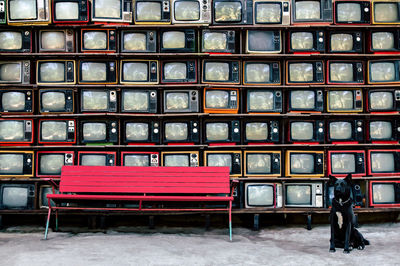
[(113, 124), (366, 9), (275, 130), (236, 130), (26, 33), (69, 97), (156, 130), (285, 4), (360, 159), (318, 191), (111, 161), (113, 130), (26, 64), (398, 129), (29, 98), (321, 39), (359, 123), (359, 129), (29, 160), (195, 124), (320, 130), (155, 124), (28, 93), (205, 7), (358, 39), (195, 130), (319, 161), (276, 160)]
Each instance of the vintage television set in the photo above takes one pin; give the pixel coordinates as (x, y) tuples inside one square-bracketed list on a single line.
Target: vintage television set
[(384, 71), (263, 101), (344, 100), (384, 194), (16, 132), (3, 12), (261, 73), (263, 42), (56, 40), (344, 162), (345, 42), (180, 158), (138, 41), (28, 12), (43, 192), (16, 101), (218, 41), (191, 11), (352, 12), (304, 163), (345, 72), (16, 163), (231, 159), (179, 71), (70, 12), (98, 40), (221, 72), (55, 71), (311, 12), (178, 41), (306, 131), (97, 72), (263, 195), (181, 101), (138, 101), (383, 131), (385, 12), (261, 131), (232, 12), (344, 131), (111, 11), (99, 132), (97, 158), (304, 72), (17, 196), (224, 131), (384, 41), (306, 41), (181, 132), (152, 11), (271, 12), (262, 163), (141, 132), (139, 72), (49, 163), (15, 72), (139, 158), (15, 40), (221, 100), (304, 194), (95, 100), (383, 100), (383, 162), (305, 101), (57, 131), (56, 101)]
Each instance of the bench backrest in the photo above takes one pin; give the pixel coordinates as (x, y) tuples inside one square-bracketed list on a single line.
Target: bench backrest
[(127, 179)]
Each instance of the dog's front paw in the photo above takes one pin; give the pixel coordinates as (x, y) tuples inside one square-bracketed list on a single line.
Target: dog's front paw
[(346, 251), (360, 247), (332, 250)]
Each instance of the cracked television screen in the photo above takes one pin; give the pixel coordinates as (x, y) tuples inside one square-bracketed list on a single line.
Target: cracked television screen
[(348, 12), (340, 130), (268, 12), (258, 163), (176, 131), (301, 131), (214, 41), (302, 40), (187, 10), (177, 100), (301, 72), (176, 160), (341, 100), (93, 160), (95, 100), (386, 12), (10, 40), (302, 163), (307, 10), (66, 11), (256, 131), (173, 40), (148, 11), (304, 100), (94, 131), (227, 11), (10, 72), (260, 195), (50, 164), (53, 101), (216, 71), (94, 71), (52, 40), (341, 72), (217, 99), (52, 72), (11, 163), (382, 71), (382, 162), (257, 73), (135, 41), (95, 40), (22, 9), (261, 101), (261, 41), (343, 163), (341, 42), (220, 160), (135, 71), (380, 130), (53, 130), (135, 101), (217, 131), (13, 101), (12, 130), (107, 9), (175, 71), (136, 160), (382, 40), (137, 131), (381, 100)]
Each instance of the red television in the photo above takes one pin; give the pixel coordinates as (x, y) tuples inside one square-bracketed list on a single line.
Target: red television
[(16, 132), (70, 12), (139, 158), (384, 162), (49, 163), (383, 131), (384, 193), (344, 162)]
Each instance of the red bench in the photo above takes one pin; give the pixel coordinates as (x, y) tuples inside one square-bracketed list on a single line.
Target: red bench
[(116, 184)]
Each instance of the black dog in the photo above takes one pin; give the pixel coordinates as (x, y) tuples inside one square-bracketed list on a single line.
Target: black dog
[(343, 232)]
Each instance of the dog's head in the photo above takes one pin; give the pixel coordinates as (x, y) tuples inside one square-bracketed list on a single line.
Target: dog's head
[(342, 187)]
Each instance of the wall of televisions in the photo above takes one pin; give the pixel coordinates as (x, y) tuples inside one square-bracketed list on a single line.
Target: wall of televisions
[(285, 93)]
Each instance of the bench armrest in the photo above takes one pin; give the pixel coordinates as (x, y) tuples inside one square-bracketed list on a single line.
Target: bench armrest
[(52, 183)]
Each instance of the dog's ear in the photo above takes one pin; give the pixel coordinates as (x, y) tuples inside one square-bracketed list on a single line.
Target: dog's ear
[(348, 179), (332, 179)]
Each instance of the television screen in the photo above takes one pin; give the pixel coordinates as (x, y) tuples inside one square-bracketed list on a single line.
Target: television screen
[(257, 73), (259, 163), (382, 162), (382, 40), (53, 101), (22, 9), (43, 200), (343, 163), (187, 10), (148, 11), (386, 12), (13, 130), (177, 101), (217, 131), (302, 40), (176, 131), (173, 40), (94, 71), (340, 130), (107, 8), (341, 72), (95, 40), (93, 160), (13, 101), (213, 40), (136, 160), (53, 131), (216, 71), (268, 12), (260, 101), (341, 42), (302, 100), (135, 41), (175, 71), (348, 12), (10, 40), (217, 99), (176, 160), (380, 130), (94, 131), (307, 10), (137, 131), (261, 41), (298, 194), (14, 197), (94, 100), (50, 164), (301, 72), (10, 72), (52, 72), (11, 163), (381, 100), (302, 163), (52, 40), (383, 193), (341, 100), (135, 101), (67, 10), (260, 195), (301, 131), (256, 131), (382, 71), (219, 160), (227, 11)]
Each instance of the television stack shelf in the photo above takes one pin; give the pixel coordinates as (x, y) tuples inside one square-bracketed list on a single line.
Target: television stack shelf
[(241, 146)]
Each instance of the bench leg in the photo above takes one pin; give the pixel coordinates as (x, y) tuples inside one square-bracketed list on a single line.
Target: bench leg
[(56, 221), (47, 224), (230, 220)]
